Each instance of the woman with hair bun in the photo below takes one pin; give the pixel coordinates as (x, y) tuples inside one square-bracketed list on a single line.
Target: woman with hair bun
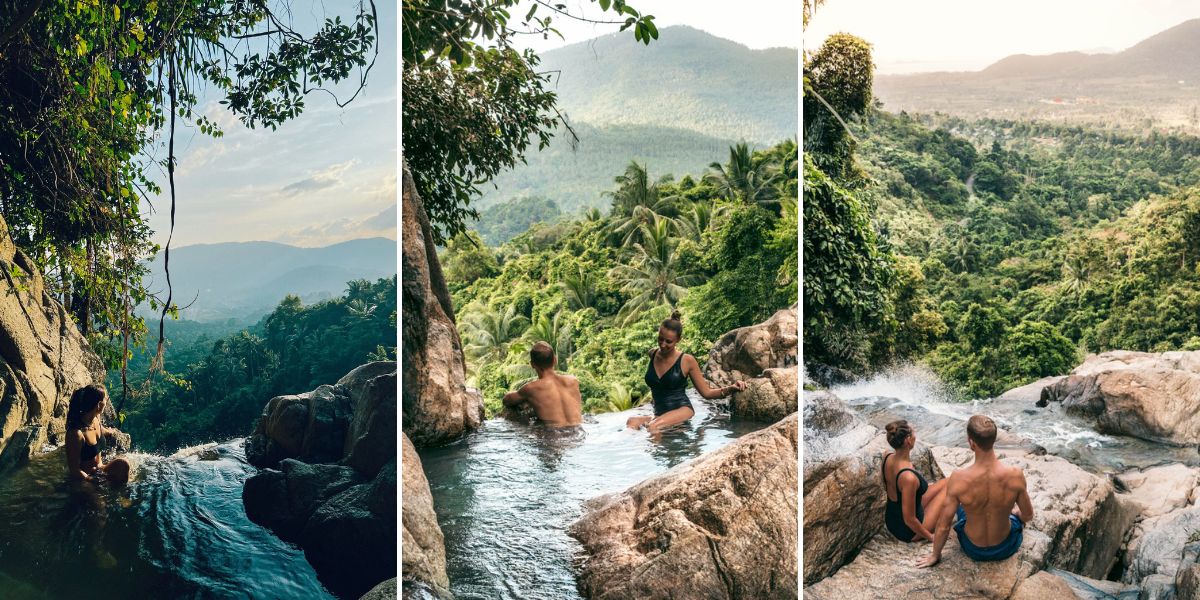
[(667, 376), (906, 516), (84, 433)]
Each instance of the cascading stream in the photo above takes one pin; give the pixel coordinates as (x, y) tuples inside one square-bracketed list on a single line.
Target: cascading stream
[(179, 530)]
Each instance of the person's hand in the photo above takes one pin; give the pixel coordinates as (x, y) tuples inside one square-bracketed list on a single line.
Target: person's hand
[(737, 386), (1016, 511), (929, 561)]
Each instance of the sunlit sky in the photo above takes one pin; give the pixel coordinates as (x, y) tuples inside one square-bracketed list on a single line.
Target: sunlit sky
[(960, 35), (757, 24), (322, 178)]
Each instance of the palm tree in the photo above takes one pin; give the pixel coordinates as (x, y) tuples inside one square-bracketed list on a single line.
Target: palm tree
[(743, 180), (655, 277), (620, 398), (692, 223), (1076, 275), (579, 289), (635, 201), (490, 331)]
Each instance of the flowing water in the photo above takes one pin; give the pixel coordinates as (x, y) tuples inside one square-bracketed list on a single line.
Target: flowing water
[(506, 494), (178, 530), (914, 393)]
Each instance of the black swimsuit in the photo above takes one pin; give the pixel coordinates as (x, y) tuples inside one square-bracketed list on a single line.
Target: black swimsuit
[(87, 451), (668, 390), (893, 516)]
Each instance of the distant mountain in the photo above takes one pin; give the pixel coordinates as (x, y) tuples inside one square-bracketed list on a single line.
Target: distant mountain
[(676, 105), (686, 79), (1153, 84), (245, 280)]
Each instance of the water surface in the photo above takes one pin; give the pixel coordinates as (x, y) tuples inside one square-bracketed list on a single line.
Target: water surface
[(179, 530), (506, 494)]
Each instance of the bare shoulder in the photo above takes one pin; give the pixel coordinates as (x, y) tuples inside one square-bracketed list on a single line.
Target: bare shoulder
[(689, 361), (1016, 476), (569, 379)]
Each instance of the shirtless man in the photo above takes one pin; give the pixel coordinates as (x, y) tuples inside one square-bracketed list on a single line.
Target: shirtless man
[(555, 398), (983, 495)]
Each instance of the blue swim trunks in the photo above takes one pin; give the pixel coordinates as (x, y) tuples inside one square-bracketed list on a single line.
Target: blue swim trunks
[(1000, 551)]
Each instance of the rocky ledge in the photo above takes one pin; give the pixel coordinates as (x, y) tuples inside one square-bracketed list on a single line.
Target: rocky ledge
[(763, 356), (720, 526), (328, 478)]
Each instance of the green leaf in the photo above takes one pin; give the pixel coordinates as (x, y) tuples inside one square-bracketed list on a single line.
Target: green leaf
[(604, 4)]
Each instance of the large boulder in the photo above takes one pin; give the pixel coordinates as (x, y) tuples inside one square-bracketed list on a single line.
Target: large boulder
[(438, 406), (329, 476), (720, 526), (747, 352), (1151, 396), (43, 359), (1161, 549), (767, 398), (1081, 513), (844, 497), (424, 551), (886, 569)]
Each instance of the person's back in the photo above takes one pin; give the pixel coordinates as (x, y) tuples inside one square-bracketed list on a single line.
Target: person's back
[(983, 497), (555, 398)]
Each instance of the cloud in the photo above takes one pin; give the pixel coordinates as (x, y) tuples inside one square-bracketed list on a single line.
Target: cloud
[(381, 224), (326, 178)]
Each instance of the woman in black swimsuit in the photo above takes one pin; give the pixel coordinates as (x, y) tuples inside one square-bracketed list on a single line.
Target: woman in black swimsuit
[(84, 433), (667, 377), (914, 512)]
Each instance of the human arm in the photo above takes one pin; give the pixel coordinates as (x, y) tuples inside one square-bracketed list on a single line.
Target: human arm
[(692, 367), (942, 529), (908, 492), (74, 444), (1024, 510), (516, 397)]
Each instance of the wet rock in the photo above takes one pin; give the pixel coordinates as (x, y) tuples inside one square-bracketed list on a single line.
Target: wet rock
[(747, 352), (43, 359), (386, 590), (1187, 583), (351, 538), (438, 407), (371, 438), (310, 427), (1081, 513), (1159, 550), (844, 497), (284, 500), (1147, 395), (886, 569), (767, 398), (424, 551), (720, 526)]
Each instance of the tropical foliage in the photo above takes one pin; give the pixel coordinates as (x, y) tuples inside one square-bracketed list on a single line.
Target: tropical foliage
[(597, 287)]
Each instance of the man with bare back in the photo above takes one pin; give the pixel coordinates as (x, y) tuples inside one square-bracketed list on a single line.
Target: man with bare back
[(554, 397), (983, 497)]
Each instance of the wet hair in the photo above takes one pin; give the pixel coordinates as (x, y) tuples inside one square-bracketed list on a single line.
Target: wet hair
[(982, 431), (897, 433), (674, 324), (82, 402), (541, 355)]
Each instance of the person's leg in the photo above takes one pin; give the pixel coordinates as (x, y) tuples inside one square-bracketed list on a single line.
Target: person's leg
[(932, 501), (637, 422), (117, 471), (934, 489), (671, 417)]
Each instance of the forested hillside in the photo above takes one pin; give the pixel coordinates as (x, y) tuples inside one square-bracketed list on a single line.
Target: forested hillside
[(720, 245)]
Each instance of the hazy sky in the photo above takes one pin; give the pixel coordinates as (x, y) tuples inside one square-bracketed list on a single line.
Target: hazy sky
[(324, 177), (937, 35), (755, 23)]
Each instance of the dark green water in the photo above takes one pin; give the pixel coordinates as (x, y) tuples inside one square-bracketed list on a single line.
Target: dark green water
[(506, 494), (177, 531)]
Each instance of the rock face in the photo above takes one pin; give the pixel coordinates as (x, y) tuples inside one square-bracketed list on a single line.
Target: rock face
[(328, 478), (424, 555), (764, 356), (43, 359), (720, 526), (843, 491), (1151, 396), (438, 406)]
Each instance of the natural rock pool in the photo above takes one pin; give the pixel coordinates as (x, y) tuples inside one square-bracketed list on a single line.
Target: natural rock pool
[(506, 494), (179, 530)]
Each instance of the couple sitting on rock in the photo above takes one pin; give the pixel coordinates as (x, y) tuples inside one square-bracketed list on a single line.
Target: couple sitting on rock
[(556, 401), (988, 498)]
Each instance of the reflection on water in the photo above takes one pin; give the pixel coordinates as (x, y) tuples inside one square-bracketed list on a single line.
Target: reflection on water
[(505, 495), (913, 393), (177, 531)]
